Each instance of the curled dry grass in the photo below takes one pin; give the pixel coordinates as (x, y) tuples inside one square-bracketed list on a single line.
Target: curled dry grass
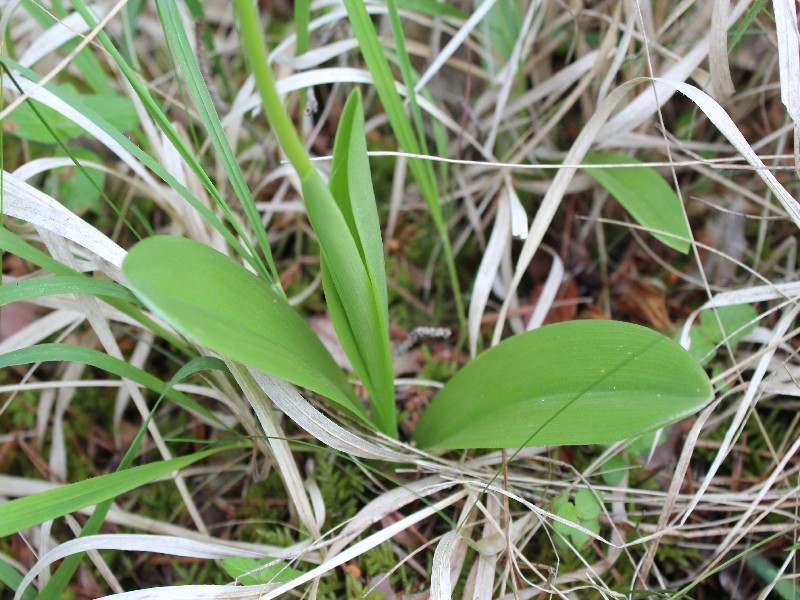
[(721, 489)]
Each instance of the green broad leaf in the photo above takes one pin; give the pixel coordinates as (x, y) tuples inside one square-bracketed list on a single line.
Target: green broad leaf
[(737, 321), (22, 513), (645, 195), (240, 569), (213, 300), (581, 382)]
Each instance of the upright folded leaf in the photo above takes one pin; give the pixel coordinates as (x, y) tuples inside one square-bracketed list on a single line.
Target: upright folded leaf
[(351, 186), (215, 301), (644, 194), (582, 382), (357, 309)]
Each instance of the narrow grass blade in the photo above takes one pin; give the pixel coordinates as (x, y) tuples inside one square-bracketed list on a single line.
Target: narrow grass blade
[(12, 578), (433, 8), (166, 127), (84, 61), (581, 382), (12, 243), (58, 582), (22, 513), (644, 194), (215, 301), (51, 286), (176, 36), (100, 360), (118, 143), (375, 58)]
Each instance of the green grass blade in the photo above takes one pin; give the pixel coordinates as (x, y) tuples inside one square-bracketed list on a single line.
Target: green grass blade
[(58, 582), (645, 195), (84, 61), (581, 382), (215, 301), (176, 36), (11, 578), (22, 513), (144, 158), (378, 66), (405, 69), (20, 291), (433, 8), (166, 127), (100, 360)]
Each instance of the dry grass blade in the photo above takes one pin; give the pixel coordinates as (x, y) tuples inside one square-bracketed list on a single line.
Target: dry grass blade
[(789, 63)]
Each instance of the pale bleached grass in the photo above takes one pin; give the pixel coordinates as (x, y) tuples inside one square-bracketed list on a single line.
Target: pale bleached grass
[(585, 87)]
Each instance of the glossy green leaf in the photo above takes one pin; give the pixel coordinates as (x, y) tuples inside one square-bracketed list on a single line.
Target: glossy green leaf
[(215, 301), (22, 513), (645, 195), (581, 382)]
